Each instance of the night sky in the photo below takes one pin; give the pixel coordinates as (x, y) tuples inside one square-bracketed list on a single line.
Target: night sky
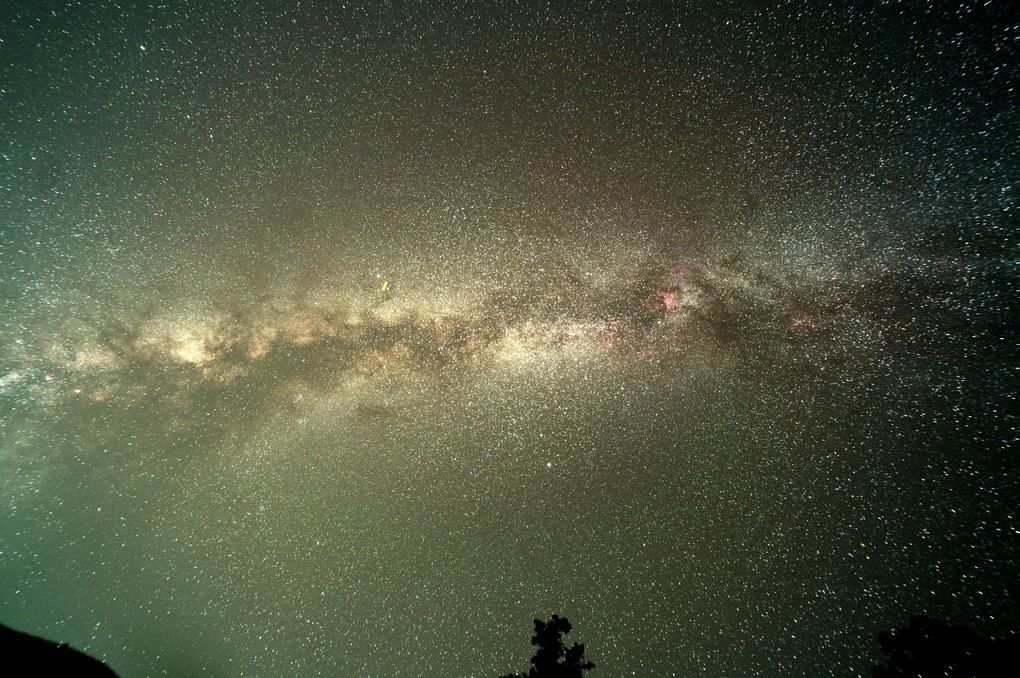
[(346, 339)]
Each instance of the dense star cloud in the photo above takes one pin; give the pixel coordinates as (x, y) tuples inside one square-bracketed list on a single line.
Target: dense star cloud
[(342, 338)]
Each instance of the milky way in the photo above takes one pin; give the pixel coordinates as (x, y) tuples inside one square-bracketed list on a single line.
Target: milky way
[(348, 340), (637, 306)]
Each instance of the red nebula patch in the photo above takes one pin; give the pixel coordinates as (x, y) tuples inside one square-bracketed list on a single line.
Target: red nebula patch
[(800, 321), (662, 301)]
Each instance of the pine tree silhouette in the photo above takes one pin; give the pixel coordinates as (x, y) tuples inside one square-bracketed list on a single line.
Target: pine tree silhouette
[(553, 659)]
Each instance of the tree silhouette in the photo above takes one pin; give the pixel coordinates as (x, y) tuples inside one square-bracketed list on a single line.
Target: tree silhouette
[(553, 659), (930, 648)]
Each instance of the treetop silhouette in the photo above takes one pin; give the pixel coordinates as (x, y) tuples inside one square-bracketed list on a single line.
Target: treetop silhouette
[(931, 648), (553, 659)]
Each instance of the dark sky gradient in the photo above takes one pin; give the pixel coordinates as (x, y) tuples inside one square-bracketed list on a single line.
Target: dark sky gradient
[(345, 340)]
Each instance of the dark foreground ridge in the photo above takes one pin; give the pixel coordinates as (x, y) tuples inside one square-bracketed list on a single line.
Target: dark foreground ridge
[(26, 655), (925, 648)]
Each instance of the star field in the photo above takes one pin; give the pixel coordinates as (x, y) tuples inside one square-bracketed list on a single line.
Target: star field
[(347, 339)]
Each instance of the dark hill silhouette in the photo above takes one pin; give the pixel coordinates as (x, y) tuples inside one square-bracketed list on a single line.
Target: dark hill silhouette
[(930, 648), (25, 655), (553, 659)]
